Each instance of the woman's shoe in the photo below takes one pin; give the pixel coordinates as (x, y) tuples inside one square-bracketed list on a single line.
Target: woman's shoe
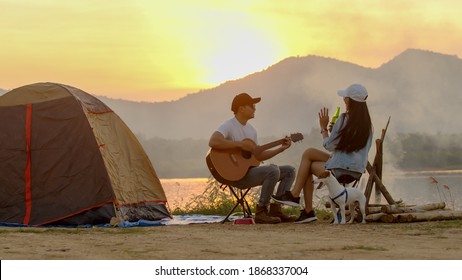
[(288, 199), (306, 217)]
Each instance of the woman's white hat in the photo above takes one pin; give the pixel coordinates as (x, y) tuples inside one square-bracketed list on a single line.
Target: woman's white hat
[(356, 92)]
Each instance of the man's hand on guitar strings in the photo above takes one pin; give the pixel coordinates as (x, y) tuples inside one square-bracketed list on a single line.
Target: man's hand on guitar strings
[(287, 142), (248, 145)]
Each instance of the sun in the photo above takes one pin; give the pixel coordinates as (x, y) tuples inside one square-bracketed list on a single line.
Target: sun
[(241, 51)]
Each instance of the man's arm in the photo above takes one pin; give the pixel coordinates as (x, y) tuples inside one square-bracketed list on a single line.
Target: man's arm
[(264, 155), (219, 142)]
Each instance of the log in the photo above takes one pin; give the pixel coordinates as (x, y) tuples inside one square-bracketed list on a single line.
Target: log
[(369, 210), (389, 218), (415, 217), (377, 167), (368, 189), (375, 205), (395, 209), (374, 217), (379, 144), (381, 217), (406, 218), (378, 183), (435, 216), (373, 209)]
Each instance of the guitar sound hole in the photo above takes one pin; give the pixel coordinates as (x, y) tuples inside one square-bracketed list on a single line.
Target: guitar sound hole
[(246, 154)]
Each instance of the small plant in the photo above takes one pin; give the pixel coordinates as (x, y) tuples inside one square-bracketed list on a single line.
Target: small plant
[(214, 201), (446, 188), (324, 214)]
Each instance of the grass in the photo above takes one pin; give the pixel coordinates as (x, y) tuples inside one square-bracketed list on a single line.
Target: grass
[(216, 201), (448, 224), (444, 224), (213, 201)]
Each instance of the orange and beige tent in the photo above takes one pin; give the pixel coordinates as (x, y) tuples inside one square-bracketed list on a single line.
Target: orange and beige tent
[(67, 158)]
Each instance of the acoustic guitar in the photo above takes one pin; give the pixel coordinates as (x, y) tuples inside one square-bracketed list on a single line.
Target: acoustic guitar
[(231, 165)]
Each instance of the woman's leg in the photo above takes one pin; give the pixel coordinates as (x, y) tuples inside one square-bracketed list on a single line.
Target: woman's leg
[(317, 168), (304, 170), (312, 162)]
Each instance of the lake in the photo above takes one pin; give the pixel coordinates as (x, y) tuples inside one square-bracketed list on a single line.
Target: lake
[(413, 188), (181, 191)]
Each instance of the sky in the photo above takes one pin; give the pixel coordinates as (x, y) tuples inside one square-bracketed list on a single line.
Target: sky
[(152, 50)]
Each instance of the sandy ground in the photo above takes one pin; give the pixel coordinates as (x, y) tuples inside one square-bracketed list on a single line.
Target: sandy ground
[(316, 241)]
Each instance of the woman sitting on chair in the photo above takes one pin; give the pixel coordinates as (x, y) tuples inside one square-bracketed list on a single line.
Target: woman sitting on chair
[(349, 144)]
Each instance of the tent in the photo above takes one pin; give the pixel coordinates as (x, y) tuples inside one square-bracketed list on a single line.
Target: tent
[(66, 158)]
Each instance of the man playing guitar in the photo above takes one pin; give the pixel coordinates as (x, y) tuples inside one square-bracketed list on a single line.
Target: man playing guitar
[(237, 134)]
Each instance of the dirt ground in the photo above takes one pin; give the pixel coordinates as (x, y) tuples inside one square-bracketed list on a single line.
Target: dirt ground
[(316, 241)]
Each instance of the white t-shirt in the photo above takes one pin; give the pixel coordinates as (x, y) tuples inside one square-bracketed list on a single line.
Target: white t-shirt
[(232, 129)]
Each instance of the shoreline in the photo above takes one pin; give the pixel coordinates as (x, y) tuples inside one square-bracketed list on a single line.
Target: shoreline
[(387, 173)]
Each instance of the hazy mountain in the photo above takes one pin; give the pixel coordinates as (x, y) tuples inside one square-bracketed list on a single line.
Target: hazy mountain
[(420, 90), (2, 91)]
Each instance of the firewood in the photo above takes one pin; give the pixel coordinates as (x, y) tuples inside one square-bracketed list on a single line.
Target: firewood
[(373, 209), (435, 216), (395, 209), (388, 218), (406, 218), (374, 217), (369, 210)]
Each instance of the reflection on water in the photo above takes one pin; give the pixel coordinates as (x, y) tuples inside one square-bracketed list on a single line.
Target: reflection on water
[(427, 187), (413, 188), (180, 192)]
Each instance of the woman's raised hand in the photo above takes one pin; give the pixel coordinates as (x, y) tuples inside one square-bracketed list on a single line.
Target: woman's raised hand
[(323, 117)]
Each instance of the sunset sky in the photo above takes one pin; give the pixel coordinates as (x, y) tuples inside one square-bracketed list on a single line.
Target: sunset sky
[(152, 50)]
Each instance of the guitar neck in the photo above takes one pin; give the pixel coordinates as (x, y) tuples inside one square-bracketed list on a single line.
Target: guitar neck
[(270, 145)]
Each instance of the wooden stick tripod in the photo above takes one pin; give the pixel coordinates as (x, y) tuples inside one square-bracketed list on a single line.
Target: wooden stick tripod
[(394, 212), (375, 173)]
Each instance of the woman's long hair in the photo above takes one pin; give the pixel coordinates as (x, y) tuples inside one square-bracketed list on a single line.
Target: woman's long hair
[(354, 135)]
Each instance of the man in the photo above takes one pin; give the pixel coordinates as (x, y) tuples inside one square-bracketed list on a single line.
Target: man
[(231, 135)]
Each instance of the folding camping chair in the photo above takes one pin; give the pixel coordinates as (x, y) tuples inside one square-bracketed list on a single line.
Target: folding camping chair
[(346, 177), (239, 195)]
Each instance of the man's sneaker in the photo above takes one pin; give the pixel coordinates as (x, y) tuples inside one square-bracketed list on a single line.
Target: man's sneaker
[(288, 199), (306, 217)]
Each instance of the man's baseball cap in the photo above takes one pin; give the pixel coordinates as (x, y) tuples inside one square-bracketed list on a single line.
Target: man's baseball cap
[(243, 99)]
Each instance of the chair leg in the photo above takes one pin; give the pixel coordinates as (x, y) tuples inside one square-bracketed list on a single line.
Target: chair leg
[(229, 213), (245, 205), (240, 197)]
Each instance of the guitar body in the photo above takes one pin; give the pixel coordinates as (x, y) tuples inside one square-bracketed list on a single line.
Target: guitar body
[(230, 165)]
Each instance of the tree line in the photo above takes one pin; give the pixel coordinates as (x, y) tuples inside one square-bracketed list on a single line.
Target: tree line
[(406, 151)]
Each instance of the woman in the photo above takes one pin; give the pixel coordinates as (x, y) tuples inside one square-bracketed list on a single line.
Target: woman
[(349, 144)]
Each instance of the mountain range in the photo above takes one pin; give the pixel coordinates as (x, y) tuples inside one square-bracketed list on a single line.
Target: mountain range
[(421, 91)]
